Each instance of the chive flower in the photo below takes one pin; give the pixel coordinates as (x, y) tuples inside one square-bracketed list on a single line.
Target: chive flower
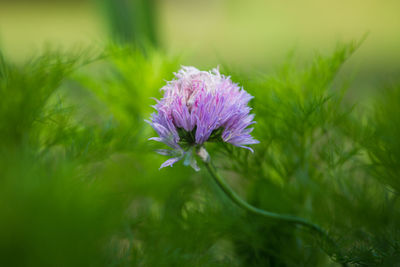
[(200, 106)]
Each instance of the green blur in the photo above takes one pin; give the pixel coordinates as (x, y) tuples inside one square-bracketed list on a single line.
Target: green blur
[(79, 180)]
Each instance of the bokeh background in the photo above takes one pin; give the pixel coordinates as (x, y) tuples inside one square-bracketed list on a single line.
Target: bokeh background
[(80, 184), (256, 33)]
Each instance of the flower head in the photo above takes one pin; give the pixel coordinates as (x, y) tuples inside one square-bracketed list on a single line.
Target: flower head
[(200, 106)]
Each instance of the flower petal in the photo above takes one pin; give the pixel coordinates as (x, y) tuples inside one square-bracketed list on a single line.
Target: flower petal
[(169, 162), (199, 104), (166, 152)]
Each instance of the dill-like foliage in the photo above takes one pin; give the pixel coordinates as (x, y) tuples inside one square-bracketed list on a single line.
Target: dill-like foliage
[(80, 185)]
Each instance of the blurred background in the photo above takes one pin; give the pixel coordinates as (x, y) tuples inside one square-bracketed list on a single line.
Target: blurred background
[(257, 33), (79, 182)]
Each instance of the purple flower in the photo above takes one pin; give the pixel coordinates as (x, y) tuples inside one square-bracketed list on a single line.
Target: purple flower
[(200, 106)]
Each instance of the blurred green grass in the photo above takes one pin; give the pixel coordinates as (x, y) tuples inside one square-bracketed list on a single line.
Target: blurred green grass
[(80, 183), (240, 32), (25, 27)]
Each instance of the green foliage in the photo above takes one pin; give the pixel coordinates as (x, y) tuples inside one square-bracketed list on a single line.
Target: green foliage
[(317, 159), (382, 142), (131, 22), (80, 185), (50, 212)]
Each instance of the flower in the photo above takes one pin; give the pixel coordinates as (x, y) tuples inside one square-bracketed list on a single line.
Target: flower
[(200, 106)]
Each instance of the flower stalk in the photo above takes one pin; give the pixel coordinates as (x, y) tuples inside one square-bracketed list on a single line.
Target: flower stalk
[(224, 186)]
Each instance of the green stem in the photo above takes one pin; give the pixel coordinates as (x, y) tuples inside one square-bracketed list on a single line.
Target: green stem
[(272, 215), (243, 204)]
